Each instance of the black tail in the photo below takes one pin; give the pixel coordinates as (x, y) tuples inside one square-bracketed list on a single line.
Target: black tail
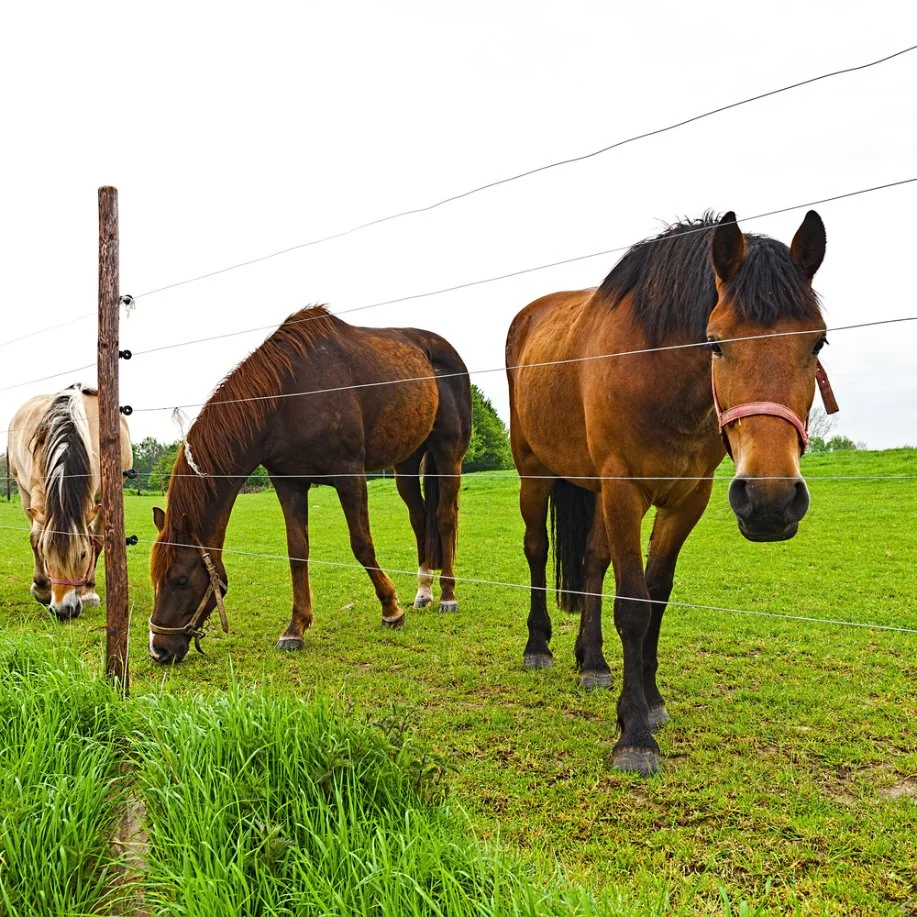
[(434, 544), (572, 512)]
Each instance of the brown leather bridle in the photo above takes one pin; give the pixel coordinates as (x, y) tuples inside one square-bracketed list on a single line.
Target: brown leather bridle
[(753, 408), (195, 626)]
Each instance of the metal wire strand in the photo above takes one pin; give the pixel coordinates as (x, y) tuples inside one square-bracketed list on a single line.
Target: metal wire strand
[(542, 364), (528, 172), (527, 270), (809, 619)]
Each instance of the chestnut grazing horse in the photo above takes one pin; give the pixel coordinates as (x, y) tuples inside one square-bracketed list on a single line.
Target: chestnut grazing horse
[(603, 439), (309, 406), (54, 457)]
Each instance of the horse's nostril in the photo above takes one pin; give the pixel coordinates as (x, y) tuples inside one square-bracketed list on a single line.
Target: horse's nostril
[(799, 504), (739, 497)]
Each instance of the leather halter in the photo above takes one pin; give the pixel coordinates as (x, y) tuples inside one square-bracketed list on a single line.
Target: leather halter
[(195, 626), (97, 546), (772, 408)]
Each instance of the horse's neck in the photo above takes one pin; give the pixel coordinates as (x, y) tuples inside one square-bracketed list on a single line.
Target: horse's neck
[(207, 500)]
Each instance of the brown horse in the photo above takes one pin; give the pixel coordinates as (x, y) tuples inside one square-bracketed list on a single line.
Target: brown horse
[(601, 439), (309, 406)]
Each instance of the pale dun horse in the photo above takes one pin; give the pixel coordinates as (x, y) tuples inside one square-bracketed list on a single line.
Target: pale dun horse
[(54, 458)]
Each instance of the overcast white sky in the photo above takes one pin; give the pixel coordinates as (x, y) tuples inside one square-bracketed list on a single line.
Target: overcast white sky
[(232, 130)]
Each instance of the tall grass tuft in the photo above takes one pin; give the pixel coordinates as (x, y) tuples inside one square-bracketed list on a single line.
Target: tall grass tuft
[(58, 774), (261, 804)]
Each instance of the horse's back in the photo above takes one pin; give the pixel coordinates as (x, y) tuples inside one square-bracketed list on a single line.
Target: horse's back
[(22, 428), (378, 392), (22, 459)]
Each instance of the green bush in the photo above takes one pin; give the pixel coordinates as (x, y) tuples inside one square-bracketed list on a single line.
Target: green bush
[(489, 448)]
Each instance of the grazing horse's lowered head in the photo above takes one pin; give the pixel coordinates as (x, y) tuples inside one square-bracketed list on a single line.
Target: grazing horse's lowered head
[(763, 385), (189, 582), (63, 507)]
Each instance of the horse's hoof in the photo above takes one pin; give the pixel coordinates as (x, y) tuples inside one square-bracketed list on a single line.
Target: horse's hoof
[(396, 622), (423, 601), (448, 606), (40, 596), (592, 680), (658, 717), (537, 661), (290, 644), (90, 599), (641, 761)]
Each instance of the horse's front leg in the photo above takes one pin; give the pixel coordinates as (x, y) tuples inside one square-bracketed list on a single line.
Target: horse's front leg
[(670, 529), (294, 501), (89, 596), (624, 506), (40, 589), (352, 494)]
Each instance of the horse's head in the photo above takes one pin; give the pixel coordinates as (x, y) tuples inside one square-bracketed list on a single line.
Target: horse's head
[(763, 387), (69, 555), (188, 584)]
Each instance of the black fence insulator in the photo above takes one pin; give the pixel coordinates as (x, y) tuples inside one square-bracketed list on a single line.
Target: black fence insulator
[(126, 410), (132, 540), (125, 354), (130, 473)]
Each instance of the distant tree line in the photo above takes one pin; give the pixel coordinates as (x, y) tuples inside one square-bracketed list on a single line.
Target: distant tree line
[(820, 426)]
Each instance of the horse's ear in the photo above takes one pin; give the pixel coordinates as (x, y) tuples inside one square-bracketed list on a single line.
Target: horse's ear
[(159, 518), (809, 243), (728, 247), (36, 515), (93, 512)]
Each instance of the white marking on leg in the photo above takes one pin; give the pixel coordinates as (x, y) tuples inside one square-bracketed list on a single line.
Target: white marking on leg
[(424, 595)]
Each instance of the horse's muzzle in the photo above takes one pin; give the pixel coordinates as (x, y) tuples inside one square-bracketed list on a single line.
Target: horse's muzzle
[(768, 510), (168, 650)]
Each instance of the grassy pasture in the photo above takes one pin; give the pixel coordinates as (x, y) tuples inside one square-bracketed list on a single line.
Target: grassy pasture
[(790, 767)]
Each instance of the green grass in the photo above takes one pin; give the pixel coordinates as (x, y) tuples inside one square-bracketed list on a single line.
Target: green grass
[(790, 768), (58, 775)]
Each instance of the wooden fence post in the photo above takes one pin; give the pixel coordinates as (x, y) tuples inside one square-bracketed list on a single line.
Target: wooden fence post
[(116, 600)]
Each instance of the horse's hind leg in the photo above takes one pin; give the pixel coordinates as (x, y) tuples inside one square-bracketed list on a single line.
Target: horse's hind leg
[(444, 468), (294, 501), (408, 484), (534, 494), (593, 669), (670, 529), (352, 494)]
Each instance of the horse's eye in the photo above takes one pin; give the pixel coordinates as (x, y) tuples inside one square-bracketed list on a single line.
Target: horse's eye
[(818, 345), (83, 556), (714, 345), (181, 583)]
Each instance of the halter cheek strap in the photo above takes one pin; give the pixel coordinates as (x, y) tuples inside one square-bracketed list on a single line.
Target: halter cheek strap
[(195, 626), (772, 408)]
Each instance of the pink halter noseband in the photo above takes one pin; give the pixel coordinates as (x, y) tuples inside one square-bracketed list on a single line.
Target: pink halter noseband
[(97, 547), (752, 408)]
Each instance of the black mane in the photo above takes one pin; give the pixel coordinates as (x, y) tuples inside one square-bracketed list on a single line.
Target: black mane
[(673, 284)]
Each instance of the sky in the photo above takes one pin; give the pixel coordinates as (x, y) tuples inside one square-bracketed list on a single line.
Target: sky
[(235, 130)]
